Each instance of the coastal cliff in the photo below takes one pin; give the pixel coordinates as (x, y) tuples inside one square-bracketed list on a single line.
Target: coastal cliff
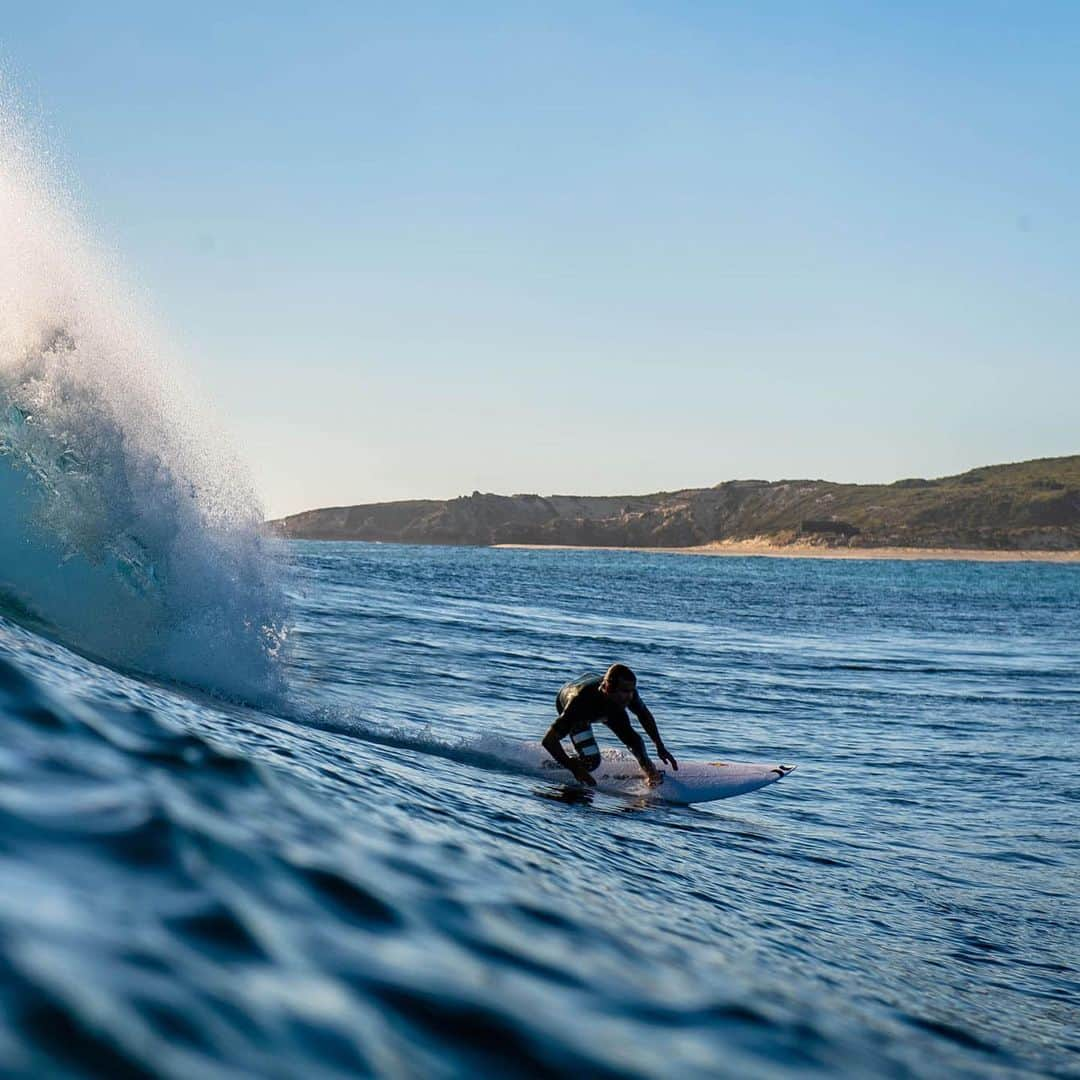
[(1027, 506)]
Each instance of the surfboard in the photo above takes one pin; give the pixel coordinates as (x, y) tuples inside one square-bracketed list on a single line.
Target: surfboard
[(693, 782)]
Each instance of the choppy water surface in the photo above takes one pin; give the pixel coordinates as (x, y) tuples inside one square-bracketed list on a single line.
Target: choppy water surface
[(345, 881)]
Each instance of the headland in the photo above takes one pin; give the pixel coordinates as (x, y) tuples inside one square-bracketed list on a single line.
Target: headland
[(1024, 510)]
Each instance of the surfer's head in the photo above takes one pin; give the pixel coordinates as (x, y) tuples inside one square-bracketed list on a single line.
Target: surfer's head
[(619, 683)]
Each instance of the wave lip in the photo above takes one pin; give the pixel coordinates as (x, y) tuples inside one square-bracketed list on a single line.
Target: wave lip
[(128, 528)]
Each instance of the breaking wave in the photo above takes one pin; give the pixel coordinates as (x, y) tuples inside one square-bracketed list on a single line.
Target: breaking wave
[(128, 529)]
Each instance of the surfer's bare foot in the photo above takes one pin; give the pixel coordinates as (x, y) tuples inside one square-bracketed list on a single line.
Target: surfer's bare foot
[(654, 778)]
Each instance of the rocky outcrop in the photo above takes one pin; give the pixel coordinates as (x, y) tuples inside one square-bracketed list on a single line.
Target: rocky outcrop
[(1031, 505)]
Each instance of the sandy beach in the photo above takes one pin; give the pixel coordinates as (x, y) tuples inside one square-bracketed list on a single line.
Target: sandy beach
[(810, 551)]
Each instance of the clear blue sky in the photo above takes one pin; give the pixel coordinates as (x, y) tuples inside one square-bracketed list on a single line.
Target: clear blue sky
[(414, 250)]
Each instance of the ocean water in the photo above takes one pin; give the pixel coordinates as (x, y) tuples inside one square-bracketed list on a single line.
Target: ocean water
[(347, 876)]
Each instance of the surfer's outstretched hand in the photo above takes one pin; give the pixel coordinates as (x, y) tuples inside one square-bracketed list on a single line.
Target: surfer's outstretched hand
[(663, 755)]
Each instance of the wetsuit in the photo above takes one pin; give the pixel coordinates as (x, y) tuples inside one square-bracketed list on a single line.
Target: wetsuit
[(582, 703)]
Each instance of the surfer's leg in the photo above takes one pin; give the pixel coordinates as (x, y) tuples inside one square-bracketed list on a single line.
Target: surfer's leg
[(584, 743)]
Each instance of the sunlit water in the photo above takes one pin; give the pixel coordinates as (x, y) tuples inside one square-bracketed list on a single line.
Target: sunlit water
[(349, 878)]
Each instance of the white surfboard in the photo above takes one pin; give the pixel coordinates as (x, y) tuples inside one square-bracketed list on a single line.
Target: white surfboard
[(693, 782)]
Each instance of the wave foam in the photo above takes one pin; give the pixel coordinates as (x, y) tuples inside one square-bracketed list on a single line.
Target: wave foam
[(127, 526)]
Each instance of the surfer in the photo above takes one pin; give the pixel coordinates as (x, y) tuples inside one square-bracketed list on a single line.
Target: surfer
[(593, 698)]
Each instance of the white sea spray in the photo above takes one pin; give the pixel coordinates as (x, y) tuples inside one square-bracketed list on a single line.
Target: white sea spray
[(128, 526)]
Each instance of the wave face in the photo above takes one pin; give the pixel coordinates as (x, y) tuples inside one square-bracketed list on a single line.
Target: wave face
[(129, 530)]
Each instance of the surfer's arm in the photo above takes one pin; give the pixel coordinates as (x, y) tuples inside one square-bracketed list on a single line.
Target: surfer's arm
[(648, 723), (621, 729)]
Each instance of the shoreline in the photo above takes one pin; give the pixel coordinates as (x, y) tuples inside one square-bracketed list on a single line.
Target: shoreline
[(764, 549)]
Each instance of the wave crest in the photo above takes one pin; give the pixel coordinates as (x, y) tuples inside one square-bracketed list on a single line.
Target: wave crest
[(128, 526)]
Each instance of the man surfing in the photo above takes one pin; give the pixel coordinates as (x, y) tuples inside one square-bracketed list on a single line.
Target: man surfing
[(593, 698)]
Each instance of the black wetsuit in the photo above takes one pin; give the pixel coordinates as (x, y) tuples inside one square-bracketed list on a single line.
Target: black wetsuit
[(582, 703)]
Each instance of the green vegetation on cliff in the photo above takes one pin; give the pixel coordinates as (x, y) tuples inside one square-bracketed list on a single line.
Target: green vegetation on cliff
[(1032, 505)]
